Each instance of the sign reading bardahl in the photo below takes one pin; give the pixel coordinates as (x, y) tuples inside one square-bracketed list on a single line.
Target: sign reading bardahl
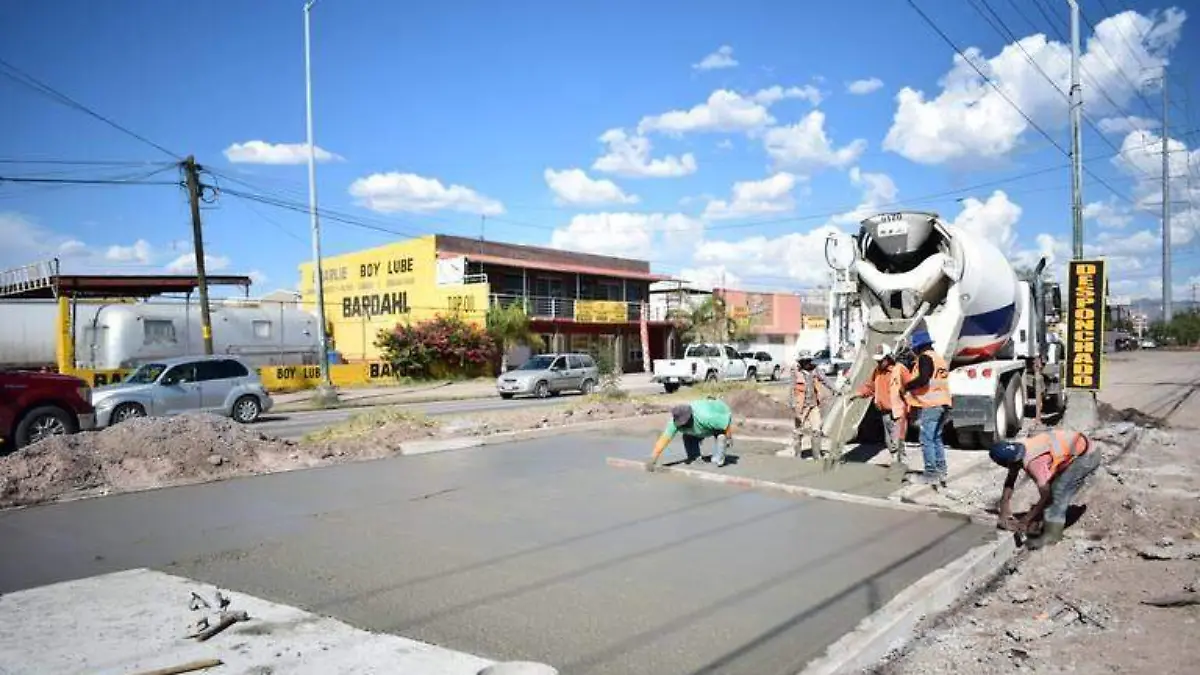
[(601, 311), (1085, 324)]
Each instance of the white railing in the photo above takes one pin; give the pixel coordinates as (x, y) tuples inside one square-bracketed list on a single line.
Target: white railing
[(544, 307), (27, 278)]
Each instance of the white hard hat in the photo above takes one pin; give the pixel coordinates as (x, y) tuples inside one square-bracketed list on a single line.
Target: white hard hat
[(881, 352), (803, 355)]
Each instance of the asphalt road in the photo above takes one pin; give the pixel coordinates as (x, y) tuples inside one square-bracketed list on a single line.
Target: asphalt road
[(293, 425), (1162, 384), (532, 550)]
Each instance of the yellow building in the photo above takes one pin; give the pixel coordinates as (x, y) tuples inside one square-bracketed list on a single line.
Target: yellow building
[(577, 301)]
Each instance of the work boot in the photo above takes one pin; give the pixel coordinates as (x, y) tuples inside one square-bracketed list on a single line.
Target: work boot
[(1052, 533)]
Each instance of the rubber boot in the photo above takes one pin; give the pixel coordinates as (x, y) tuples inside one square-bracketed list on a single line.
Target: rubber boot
[(1052, 533)]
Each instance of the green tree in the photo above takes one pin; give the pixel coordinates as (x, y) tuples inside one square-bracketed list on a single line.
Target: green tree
[(509, 326), (711, 321)]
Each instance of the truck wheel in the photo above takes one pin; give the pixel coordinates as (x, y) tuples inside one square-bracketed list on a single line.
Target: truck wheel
[(588, 387), (752, 374), (987, 439), (541, 390), (44, 422), (246, 409), (775, 374), (711, 376), (671, 388), (127, 411), (1014, 401)]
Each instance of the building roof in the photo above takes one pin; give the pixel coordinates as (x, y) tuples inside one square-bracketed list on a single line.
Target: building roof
[(527, 255), (558, 267), (115, 286)]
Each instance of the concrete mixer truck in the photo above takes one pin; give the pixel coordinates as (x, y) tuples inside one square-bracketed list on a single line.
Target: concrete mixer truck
[(911, 270)]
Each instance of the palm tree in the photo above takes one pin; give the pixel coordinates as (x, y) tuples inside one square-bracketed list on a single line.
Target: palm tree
[(509, 326), (709, 321)]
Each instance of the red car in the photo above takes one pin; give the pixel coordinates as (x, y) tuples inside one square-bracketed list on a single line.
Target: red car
[(36, 405)]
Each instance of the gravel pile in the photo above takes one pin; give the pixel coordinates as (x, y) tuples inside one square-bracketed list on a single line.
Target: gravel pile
[(755, 404)]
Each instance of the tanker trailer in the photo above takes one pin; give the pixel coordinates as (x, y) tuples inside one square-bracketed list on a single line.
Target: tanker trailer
[(912, 270)]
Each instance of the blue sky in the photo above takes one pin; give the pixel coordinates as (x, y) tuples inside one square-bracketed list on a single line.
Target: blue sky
[(446, 117)]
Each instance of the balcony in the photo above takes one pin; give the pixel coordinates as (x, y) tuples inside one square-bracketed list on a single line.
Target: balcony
[(564, 309)]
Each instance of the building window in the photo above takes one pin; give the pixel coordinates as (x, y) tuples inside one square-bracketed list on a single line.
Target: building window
[(158, 331), (262, 329), (608, 290)]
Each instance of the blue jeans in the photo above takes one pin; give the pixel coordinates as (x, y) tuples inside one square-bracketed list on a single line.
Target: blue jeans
[(1065, 486), (932, 421), (691, 445)]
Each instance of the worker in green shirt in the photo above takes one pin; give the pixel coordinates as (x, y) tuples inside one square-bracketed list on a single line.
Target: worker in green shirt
[(698, 420)]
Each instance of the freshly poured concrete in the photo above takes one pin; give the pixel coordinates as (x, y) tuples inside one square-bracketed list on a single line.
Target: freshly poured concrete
[(534, 551)]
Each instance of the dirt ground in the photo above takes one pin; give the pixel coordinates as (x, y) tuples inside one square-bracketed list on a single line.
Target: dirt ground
[(1079, 606)]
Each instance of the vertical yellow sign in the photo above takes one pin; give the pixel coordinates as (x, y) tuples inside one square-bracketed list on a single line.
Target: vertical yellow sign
[(1086, 283)]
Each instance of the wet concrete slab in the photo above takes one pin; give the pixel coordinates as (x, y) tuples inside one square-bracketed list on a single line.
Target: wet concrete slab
[(533, 550)]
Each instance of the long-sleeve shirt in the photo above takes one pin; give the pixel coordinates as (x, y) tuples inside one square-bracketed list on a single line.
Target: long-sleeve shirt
[(810, 380), (886, 387)]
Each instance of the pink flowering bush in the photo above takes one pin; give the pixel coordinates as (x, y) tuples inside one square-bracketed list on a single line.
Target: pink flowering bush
[(440, 347)]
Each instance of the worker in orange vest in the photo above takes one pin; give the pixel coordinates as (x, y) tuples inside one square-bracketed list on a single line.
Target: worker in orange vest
[(1059, 462), (806, 399), (886, 388), (929, 392)]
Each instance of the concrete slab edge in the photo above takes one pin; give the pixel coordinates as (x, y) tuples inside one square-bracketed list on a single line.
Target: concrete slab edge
[(895, 624), (799, 490), (462, 442)]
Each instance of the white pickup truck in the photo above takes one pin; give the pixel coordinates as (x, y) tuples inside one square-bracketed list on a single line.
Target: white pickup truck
[(703, 363)]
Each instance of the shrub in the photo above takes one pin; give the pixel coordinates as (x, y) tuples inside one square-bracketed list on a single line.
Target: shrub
[(445, 345)]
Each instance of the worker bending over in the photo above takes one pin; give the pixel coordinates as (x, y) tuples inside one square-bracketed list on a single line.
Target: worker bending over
[(929, 392), (806, 400), (1058, 462), (698, 420), (886, 388)]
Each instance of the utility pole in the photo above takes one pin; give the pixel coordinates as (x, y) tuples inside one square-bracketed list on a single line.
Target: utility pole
[(325, 392), (1076, 138), (192, 176), (1168, 310)]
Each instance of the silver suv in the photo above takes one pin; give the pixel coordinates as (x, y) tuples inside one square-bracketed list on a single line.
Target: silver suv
[(216, 384), (550, 375)]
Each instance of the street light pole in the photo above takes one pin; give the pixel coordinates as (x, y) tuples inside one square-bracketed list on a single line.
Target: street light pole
[(325, 391)]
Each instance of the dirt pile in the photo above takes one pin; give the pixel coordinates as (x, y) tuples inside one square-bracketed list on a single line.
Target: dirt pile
[(1081, 606), (753, 403), (593, 409), (153, 452)]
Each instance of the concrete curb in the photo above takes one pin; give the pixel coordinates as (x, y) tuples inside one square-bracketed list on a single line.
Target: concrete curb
[(891, 627), (799, 490), (426, 447)]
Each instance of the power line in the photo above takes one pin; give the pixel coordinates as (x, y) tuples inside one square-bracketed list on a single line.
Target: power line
[(21, 77), (81, 162), (83, 181), (1137, 90)]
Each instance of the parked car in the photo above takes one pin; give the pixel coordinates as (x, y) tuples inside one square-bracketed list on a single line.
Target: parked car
[(34, 406), (830, 365), (1149, 344), (764, 364), (703, 363), (1125, 343), (550, 375), (216, 384)]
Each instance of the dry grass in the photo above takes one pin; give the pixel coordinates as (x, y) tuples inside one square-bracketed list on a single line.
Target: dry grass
[(367, 422)]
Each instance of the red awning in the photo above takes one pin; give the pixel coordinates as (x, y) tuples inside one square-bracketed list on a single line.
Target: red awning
[(556, 267)]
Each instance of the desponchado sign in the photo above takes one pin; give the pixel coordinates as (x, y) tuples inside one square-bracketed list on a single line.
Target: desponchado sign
[(1085, 324)]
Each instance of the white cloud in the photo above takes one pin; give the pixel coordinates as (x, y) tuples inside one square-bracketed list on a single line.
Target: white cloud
[(1141, 159), (713, 276), (258, 276), (72, 248), (995, 219), (879, 190), (573, 186), (798, 256), (775, 94), (1126, 124), (805, 146), (969, 119), (631, 235), (1107, 214), (630, 156), (186, 263), (262, 152), (722, 58), (770, 195), (406, 192), (725, 110), (725, 144), (139, 251), (861, 87)]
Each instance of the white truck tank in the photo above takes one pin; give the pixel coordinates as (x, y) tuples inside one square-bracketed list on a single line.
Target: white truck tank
[(973, 293)]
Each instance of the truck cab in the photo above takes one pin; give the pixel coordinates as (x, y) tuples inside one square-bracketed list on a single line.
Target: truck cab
[(703, 362), (37, 405)]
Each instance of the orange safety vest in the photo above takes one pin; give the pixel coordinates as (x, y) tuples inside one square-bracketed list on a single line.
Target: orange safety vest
[(879, 388), (800, 387), (1063, 446), (937, 392), (900, 376)]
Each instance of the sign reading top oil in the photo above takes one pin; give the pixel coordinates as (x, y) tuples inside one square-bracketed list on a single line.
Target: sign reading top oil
[(376, 289), (1085, 324)]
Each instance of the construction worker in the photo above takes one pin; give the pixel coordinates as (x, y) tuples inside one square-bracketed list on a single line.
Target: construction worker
[(886, 388), (929, 392), (698, 420), (1059, 462), (806, 400)]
